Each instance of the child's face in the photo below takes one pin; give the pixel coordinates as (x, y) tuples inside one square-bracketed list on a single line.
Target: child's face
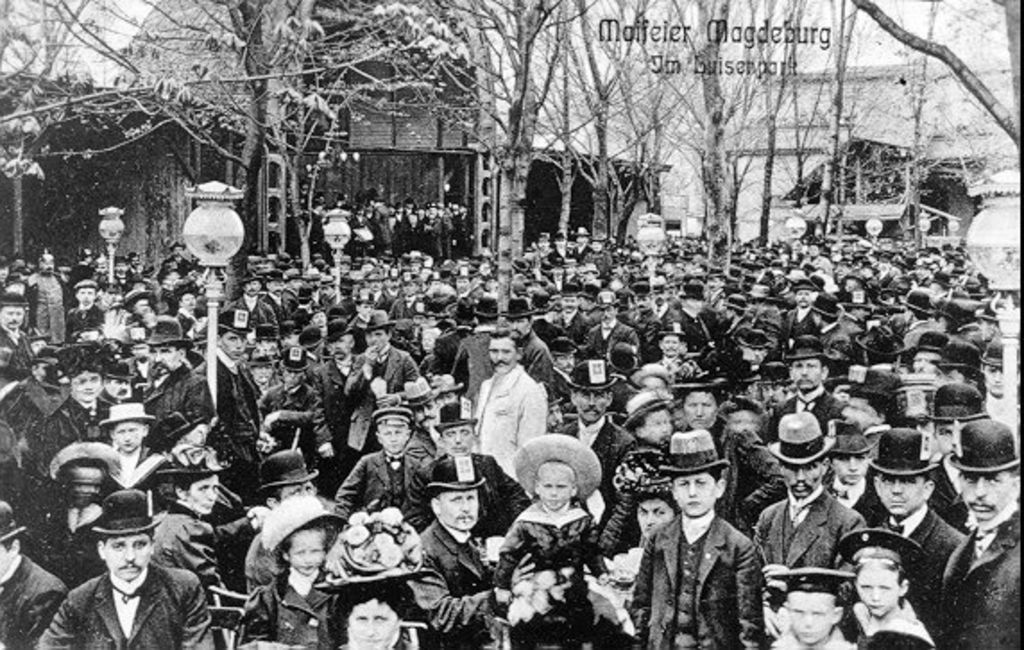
[(696, 494), (879, 588), (393, 435), (556, 485), (306, 551), (812, 616), (656, 429)]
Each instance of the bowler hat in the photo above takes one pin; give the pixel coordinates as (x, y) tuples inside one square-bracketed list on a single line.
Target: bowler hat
[(903, 452), (267, 332), (993, 356), (417, 393), (692, 452), (284, 468), (336, 329), (958, 353), (295, 359), (826, 305), (518, 308), (800, 440), (919, 302), (559, 448), (986, 447), (880, 345), (455, 414), (454, 473), (562, 345), (125, 512), (930, 341), (486, 307), (593, 374), (9, 528), (166, 433), (622, 358), (379, 320), (955, 402)]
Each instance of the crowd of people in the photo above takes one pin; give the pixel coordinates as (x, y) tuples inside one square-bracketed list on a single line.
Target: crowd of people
[(808, 447)]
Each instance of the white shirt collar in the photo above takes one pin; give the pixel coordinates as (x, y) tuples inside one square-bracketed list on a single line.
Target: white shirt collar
[(811, 396), (461, 536), (803, 504), (694, 529), (226, 360), (126, 586), (914, 520), (300, 583), (588, 434)]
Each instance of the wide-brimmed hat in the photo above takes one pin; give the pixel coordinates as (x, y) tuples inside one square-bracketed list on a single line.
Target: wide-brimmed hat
[(800, 440), (642, 404), (593, 374), (956, 402), (455, 414), (986, 447), (9, 528), (302, 511), (192, 460), (454, 473), (903, 452), (167, 331), (97, 454), (649, 370), (857, 540), (880, 345), (692, 452), (125, 512), (379, 320), (284, 468), (563, 449), (805, 347), (127, 412)]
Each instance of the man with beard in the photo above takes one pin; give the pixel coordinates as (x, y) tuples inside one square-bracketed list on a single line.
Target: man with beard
[(801, 321), (536, 358), (512, 408), (804, 529), (175, 388), (808, 371), (591, 383), (109, 609)]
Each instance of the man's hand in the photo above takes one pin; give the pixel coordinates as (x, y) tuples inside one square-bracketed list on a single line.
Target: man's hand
[(326, 450)]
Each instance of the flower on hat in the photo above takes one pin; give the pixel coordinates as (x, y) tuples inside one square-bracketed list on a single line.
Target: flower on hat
[(378, 545)]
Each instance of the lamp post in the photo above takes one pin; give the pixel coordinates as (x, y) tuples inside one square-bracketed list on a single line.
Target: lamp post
[(993, 244), (213, 232), (111, 229), (337, 233)]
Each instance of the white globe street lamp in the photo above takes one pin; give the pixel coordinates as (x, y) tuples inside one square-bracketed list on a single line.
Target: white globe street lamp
[(796, 227), (213, 232), (993, 244), (111, 228), (337, 233)]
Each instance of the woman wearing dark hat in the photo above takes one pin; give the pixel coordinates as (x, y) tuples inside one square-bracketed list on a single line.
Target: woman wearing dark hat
[(184, 539), (697, 403)]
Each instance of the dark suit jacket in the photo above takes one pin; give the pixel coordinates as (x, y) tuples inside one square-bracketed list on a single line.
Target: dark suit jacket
[(815, 543), (982, 596), (939, 540), (27, 603), (454, 591), (238, 416), (577, 328), (947, 502), (792, 328), (597, 347), (263, 314), (180, 391), (369, 486), (172, 614), (611, 446), (729, 587), (342, 397)]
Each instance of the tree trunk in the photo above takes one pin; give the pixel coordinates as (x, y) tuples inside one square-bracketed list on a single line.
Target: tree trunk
[(599, 224), (302, 217), (565, 186), (714, 168), (828, 182), (766, 190)]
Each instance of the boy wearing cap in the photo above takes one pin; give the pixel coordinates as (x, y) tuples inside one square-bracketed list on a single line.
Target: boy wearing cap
[(135, 604), (29, 595), (699, 583), (381, 479), (904, 481), (981, 583), (814, 610), (87, 314), (849, 461)]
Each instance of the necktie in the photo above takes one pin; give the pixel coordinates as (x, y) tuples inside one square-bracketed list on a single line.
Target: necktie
[(894, 526), (125, 596), (395, 462), (982, 541), (842, 495)]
